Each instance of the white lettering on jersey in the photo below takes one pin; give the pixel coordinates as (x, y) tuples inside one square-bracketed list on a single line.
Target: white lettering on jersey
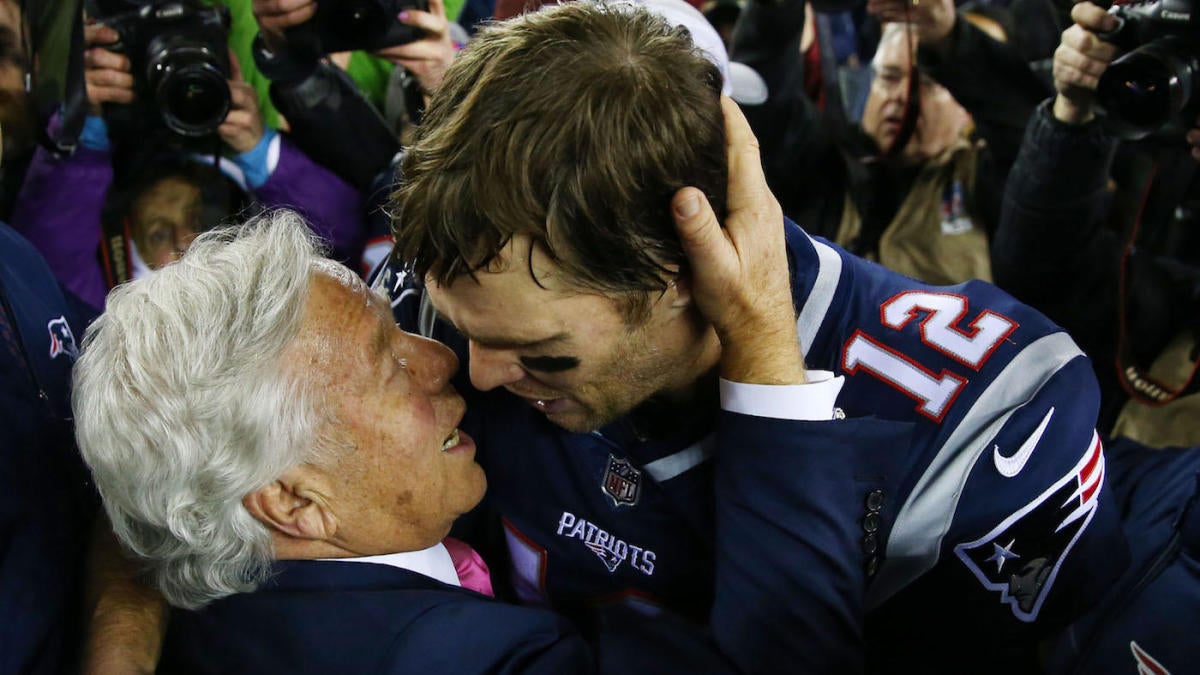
[(611, 550)]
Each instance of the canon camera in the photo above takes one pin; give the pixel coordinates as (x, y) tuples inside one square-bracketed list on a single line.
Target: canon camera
[(179, 56), (1154, 84), (350, 25)]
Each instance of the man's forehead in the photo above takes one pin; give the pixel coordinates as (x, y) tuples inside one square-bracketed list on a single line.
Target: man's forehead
[(523, 255)]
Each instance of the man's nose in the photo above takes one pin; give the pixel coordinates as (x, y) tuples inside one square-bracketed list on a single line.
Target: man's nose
[(491, 368), (430, 362)]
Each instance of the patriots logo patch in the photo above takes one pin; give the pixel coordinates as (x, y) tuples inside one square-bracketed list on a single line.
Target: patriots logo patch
[(1021, 557), (62, 340)]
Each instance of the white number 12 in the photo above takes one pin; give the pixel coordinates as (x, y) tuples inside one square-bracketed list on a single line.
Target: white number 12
[(940, 331)]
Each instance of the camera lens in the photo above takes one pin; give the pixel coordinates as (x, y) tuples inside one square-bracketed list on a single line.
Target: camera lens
[(191, 90), (1145, 89), (194, 100)]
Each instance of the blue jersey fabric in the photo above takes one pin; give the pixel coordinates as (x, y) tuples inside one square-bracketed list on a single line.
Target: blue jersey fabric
[(46, 500), (958, 514)]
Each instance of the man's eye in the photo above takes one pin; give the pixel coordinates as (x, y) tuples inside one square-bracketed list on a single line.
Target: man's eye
[(549, 364)]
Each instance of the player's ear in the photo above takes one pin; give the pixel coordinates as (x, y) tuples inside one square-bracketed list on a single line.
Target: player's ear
[(679, 293)]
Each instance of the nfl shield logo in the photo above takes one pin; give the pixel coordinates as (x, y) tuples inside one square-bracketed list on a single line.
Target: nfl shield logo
[(622, 481)]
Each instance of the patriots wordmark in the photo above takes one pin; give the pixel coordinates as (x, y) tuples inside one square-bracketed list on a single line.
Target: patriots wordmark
[(611, 550)]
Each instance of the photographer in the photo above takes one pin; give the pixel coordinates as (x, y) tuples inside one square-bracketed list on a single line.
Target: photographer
[(426, 57), (163, 202), (915, 186), (1130, 294)]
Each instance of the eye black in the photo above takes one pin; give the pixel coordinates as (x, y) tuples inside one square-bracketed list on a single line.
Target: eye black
[(550, 364)]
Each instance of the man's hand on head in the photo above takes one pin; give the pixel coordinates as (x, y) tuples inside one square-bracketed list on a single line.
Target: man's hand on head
[(1080, 60), (739, 274)]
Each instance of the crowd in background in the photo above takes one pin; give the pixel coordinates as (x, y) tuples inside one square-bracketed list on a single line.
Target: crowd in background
[(945, 141), (894, 143)]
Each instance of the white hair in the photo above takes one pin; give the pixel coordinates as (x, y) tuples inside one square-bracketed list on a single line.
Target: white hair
[(184, 405)]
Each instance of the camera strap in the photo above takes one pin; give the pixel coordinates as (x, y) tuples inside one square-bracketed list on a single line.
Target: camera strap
[(1136, 381), (114, 252), (912, 104), (75, 104)]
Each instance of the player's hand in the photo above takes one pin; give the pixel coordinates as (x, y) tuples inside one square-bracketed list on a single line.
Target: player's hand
[(739, 278), (105, 73), (934, 19), (275, 16), (243, 126), (428, 57), (1079, 61)]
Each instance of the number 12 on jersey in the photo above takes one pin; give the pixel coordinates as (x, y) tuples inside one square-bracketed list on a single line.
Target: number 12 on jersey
[(941, 331)]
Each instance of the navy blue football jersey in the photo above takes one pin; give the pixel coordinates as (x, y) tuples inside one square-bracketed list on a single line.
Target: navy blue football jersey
[(981, 520)]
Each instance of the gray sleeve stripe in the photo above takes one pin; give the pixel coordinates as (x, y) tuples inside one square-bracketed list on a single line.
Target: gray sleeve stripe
[(666, 468), (816, 305), (924, 519)]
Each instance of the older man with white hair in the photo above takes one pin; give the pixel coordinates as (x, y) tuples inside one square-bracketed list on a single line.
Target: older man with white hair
[(285, 463), (255, 422)]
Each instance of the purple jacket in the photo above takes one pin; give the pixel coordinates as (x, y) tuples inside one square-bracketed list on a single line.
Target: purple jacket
[(59, 205)]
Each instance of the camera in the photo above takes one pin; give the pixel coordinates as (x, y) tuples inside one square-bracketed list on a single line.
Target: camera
[(1154, 85), (179, 56), (350, 25)]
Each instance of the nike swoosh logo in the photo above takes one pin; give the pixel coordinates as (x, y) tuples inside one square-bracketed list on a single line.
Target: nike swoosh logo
[(1011, 466)]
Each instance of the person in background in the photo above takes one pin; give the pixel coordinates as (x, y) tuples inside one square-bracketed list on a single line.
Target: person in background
[(170, 198), (1130, 296), (914, 187)]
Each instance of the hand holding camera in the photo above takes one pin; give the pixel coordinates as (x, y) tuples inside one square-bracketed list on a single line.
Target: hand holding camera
[(106, 73), (276, 16), (428, 57), (243, 126), (1080, 60), (178, 55)]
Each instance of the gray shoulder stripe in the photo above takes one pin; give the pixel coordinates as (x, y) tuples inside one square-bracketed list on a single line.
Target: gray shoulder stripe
[(816, 306), (666, 468), (924, 519)]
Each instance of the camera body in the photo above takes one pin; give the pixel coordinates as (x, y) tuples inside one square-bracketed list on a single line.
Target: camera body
[(350, 25), (1154, 85), (179, 56)]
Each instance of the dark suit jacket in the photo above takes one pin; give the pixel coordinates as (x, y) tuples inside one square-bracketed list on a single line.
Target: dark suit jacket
[(345, 617)]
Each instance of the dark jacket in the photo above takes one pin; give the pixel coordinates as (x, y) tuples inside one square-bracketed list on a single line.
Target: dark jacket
[(46, 500), (1053, 249), (350, 617)]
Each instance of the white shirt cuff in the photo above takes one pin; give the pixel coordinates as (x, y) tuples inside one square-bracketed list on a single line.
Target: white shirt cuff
[(810, 402)]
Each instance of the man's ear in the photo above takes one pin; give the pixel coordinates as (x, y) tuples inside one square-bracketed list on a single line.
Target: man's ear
[(680, 291), (294, 505)]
